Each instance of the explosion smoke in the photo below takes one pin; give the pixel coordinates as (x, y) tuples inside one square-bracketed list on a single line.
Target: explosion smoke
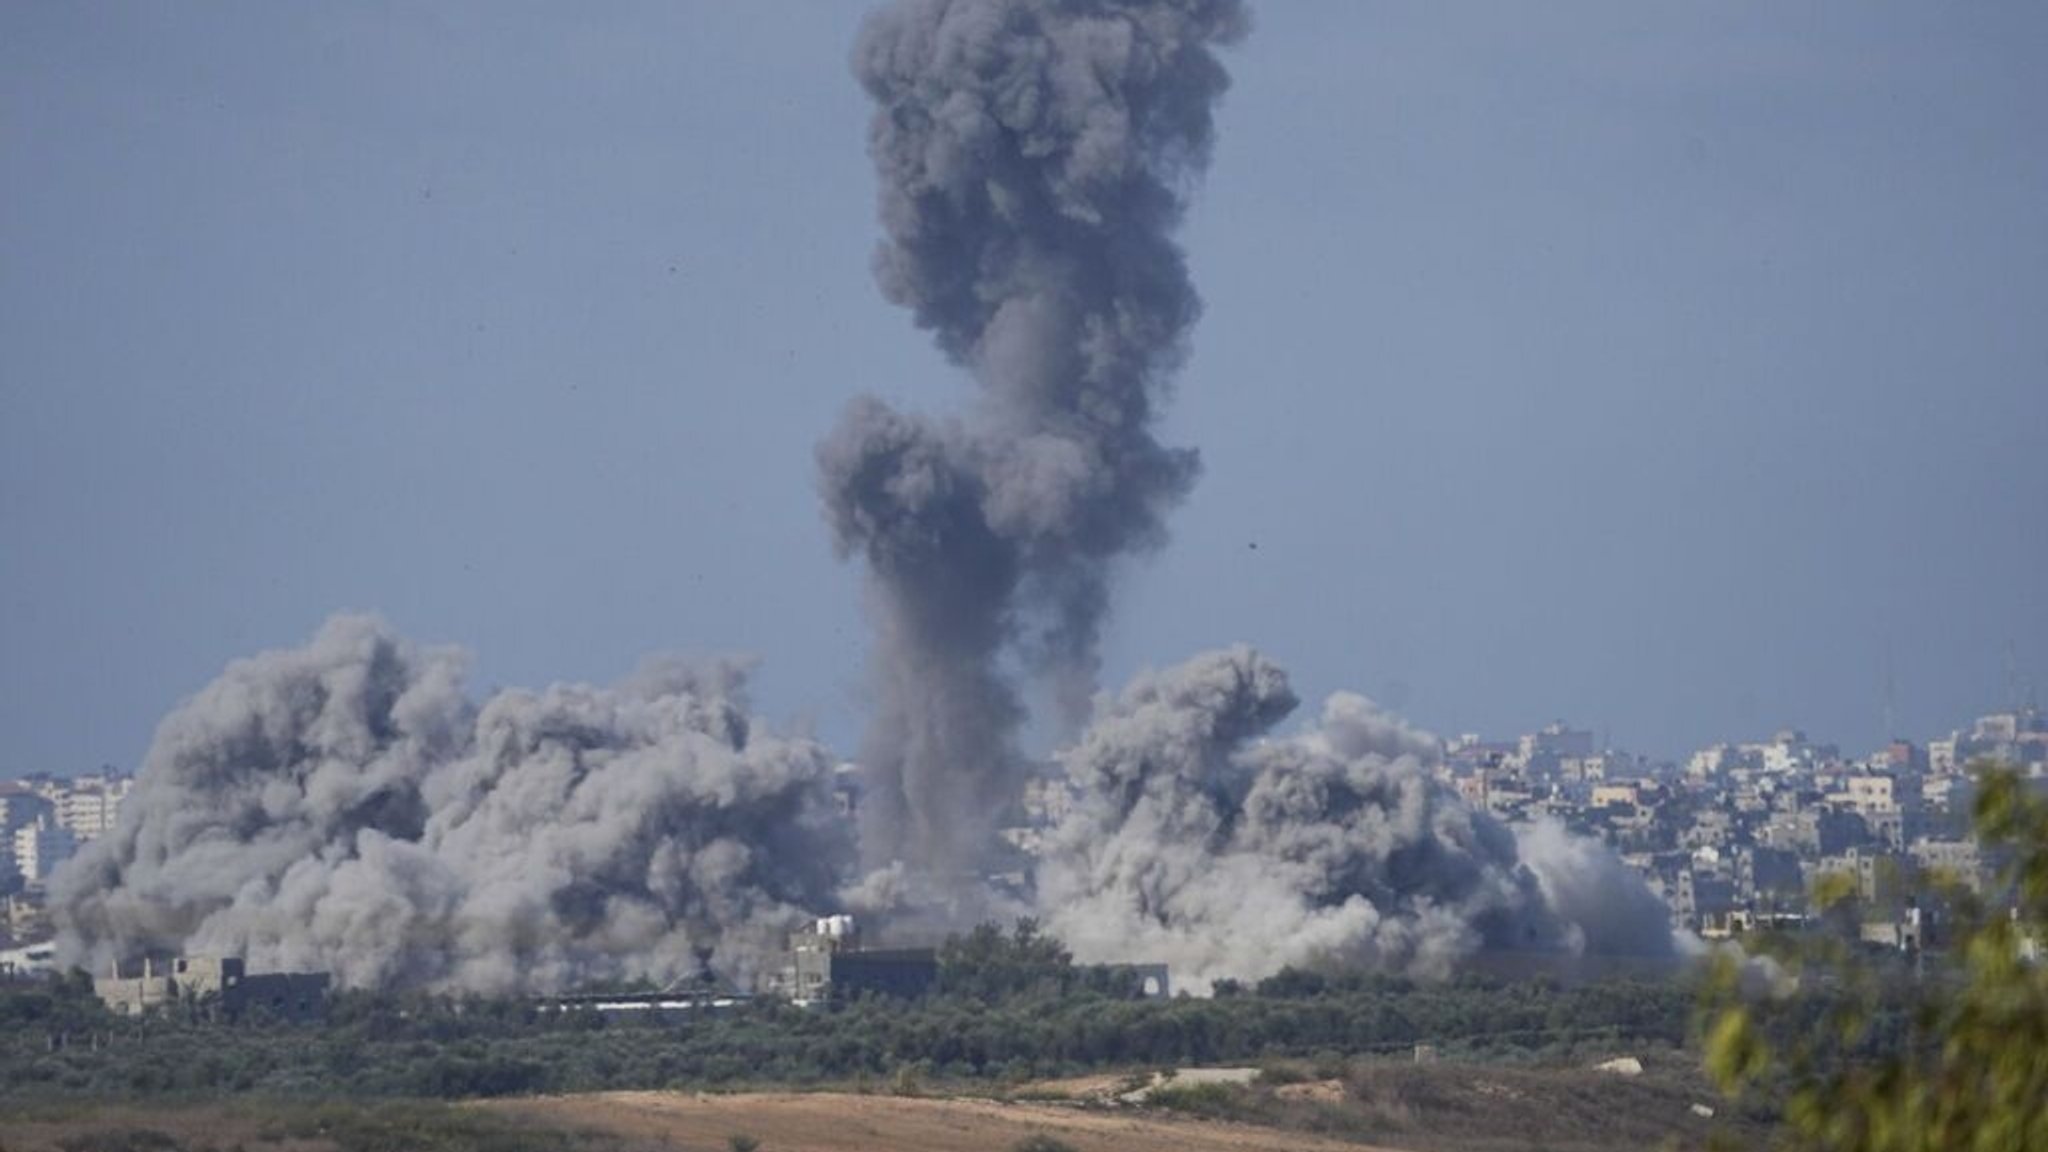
[(1032, 157), (1197, 841), (344, 806)]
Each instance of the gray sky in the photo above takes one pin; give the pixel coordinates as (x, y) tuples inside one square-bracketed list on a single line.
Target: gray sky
[(1668, 368)]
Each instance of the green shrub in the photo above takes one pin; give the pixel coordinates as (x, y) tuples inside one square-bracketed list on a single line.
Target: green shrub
[(1277, 1072)]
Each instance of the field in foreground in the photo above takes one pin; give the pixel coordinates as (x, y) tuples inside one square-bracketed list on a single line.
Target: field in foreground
[(254, 1124), (1387, 1105), (828, 1122), (1384, 1105), (637, 1122)]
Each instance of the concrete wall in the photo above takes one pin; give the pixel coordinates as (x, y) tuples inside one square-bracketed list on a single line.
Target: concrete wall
[(292, 996), (213, 986)]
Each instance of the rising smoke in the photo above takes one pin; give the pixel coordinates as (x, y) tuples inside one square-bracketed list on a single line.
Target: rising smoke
[(1033, 158), (347, 806), (1196, 839), (344, 806)]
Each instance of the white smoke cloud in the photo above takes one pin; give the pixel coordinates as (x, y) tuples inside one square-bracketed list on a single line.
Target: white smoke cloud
[(348, 806), (1609, 908), (345, 806), (1198, 839)]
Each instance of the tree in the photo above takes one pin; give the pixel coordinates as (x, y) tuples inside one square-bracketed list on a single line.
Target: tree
[(988, 965), (1964, 1064)]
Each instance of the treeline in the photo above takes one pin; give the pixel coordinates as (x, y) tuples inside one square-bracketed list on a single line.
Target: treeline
[(1010, 1006)]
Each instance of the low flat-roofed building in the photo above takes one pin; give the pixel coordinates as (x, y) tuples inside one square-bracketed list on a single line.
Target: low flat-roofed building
[(212, 986), (827, 961)]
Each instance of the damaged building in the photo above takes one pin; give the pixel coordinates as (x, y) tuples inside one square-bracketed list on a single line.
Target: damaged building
[(217, 987), (827, 960)]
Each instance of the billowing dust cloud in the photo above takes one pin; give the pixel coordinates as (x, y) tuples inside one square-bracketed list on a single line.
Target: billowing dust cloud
[(344, 806), (1197, 838), (348, 806)]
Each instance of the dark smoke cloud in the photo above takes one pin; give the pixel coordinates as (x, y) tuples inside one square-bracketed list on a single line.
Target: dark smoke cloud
[(1033, 158), (1198, 839), (344, 806)]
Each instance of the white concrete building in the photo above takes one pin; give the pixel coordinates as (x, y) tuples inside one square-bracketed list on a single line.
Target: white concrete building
[(1941, 756), (88, 812), (21, 806), (40, 847)]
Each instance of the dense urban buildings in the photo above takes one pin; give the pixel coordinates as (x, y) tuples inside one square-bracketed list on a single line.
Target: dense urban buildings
[(1734, 839), (43, 821), (1737, 836)]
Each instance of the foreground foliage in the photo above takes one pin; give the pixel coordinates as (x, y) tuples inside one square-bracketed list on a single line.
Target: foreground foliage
[(1963, 1066)]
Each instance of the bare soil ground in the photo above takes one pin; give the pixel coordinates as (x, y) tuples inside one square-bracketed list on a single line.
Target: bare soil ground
[(1293, 1108), (1313, 1091), (833, 1122)]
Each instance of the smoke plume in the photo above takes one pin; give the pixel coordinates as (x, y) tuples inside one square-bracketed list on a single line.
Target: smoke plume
[(1034, 157), (1609, 908), (345, 806), (1197, 839), (348, 806)]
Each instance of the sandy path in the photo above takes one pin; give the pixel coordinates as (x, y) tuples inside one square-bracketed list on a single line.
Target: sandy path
[(829, 1122)]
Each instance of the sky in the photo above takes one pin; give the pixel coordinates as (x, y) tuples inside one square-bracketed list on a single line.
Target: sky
[(1674, 370)]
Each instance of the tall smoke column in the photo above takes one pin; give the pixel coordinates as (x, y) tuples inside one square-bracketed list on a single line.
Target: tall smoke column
[(1033, 158)]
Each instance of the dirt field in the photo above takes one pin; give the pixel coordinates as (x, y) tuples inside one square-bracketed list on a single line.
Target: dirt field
[(1384, 1105), (787, 1122)]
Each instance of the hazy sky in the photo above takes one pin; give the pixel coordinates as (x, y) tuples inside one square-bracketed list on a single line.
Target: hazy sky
[(1668, 368)]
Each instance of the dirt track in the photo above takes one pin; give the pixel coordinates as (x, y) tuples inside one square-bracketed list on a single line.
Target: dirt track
[(824, 1122)]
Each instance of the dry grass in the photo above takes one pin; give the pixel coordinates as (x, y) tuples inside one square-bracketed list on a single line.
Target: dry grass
[(834, 1122), (1487, 1108), (252, 1124), (1316, 1107)]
